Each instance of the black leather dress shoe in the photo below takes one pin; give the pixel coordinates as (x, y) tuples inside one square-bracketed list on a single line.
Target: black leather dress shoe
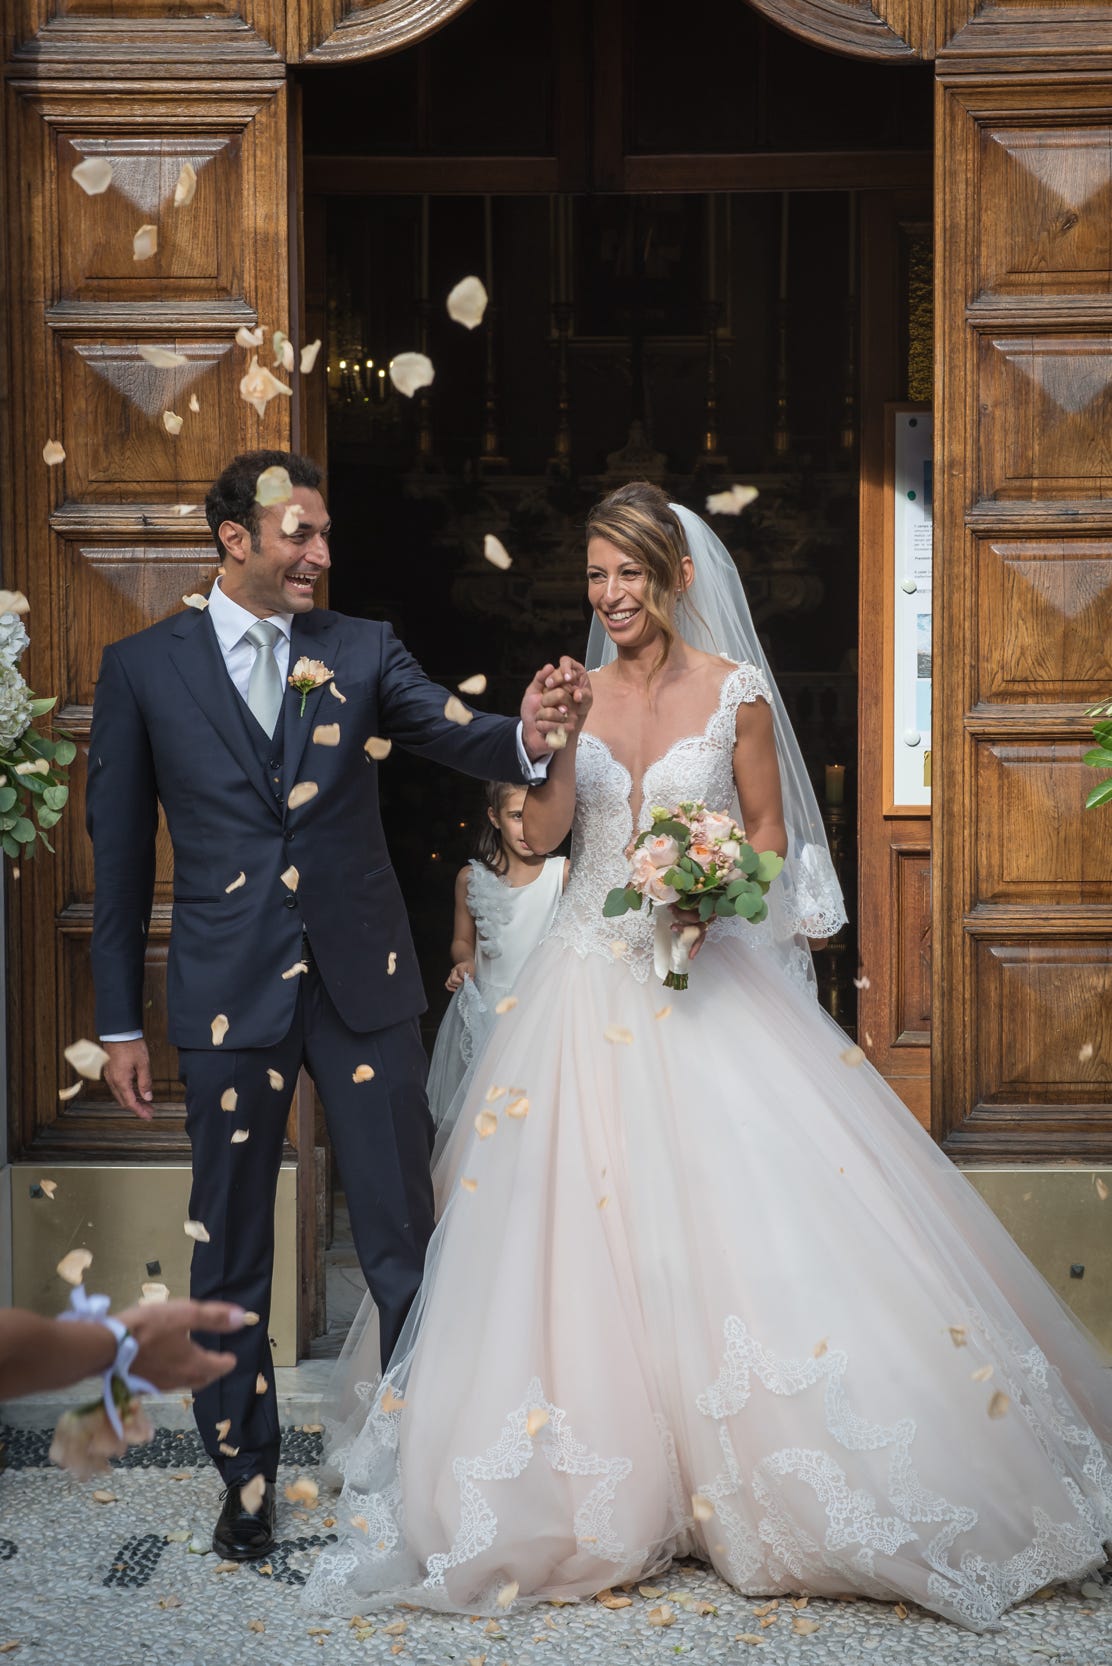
[(239, 1536)]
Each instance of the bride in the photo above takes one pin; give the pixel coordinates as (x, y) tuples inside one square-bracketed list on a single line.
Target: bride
[(701, 1285)]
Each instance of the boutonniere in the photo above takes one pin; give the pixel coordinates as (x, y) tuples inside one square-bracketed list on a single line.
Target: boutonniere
[(307, 675)]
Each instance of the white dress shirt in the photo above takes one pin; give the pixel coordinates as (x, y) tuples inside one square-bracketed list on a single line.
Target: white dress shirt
[(231, 624)]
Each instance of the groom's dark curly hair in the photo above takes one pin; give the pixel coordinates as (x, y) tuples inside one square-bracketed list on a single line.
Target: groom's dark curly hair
[(232, 497)]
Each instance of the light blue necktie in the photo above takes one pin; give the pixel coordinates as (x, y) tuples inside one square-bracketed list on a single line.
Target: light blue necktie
[(264, 691)]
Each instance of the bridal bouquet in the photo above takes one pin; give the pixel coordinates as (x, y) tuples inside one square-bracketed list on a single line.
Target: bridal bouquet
[(32, 765), (696, 862)]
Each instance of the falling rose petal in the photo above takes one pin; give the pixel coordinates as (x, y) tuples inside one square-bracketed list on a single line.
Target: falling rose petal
[(391, 964), (197, 1231), (410, 371), (240, 879), (223, 1428), (456, 712), (87, 1058), (820, 1348), (982, 1373), (473, 685), (276, 1080), (496, 552), (731, 502), (359, 1523), (391, 1402), (853, 1056), (326, 734), (469, 1185), (662, 1616), (188, 509), (309, 356), (362, 1073), (14, 601), (493, 1093), (186, 187), (665, 1012), (53, 454), (153, 1293), (194, 403), (196, 600), (1085, 1052), (251, 1494), (467, 302), (283, 349), (1101, 1188), (958, 1335), (535, 1421), (604, 1202), (249, 338), (260, 1388), (486, 1124), (241, 1136), (296, 970), (701, 1508), (998, 1405), (557, 739), (258, 387), (229, 1099), (219, 1028), (71, 1092), (377, 748), (291, 878), (615, 1033), (291, 520), (145, 243), (336, 695), (506, 1004), (863, 982), (518, 1108), (303, 1491), (250, 1318), (273, 486), (94, 175), (72, 1267), (161, 357), (48, 1188), (301, 794), (507, 1594)]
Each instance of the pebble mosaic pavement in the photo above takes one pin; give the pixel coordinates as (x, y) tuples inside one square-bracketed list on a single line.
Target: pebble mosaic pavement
[(88, 1584)]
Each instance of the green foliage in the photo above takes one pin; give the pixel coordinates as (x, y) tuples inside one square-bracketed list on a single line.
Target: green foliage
[(1100, 756)]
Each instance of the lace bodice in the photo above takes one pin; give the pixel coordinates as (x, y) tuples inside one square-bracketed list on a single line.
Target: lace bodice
[(698, 767)]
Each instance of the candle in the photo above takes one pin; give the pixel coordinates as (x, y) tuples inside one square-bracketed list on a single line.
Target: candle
[(835, 783)]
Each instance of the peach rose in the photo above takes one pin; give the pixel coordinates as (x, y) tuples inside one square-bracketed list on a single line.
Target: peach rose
[(662, 850), (645, 875)]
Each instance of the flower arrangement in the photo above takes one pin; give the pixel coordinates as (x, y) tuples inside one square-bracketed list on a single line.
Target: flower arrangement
[(307, 675), (697, 863), (1100, 756), (33, 765)]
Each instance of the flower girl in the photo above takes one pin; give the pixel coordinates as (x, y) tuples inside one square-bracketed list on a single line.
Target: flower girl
[(506, 900)]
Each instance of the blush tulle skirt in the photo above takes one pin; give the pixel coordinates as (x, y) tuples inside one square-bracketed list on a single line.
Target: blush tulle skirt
[(702, 1286)]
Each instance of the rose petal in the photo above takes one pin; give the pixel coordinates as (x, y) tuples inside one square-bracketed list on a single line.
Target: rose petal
[(998, 1405), (229, 1099), (102, 1496), (197, 1231), (467, 302), (223, 1428), (391, 964), (241, 1136), (194, 403), (276, 1080), (72, 1266), (291, 520), (71, 1092), (1085, 1052), (326, 734), (469, 1185), (87, 1058), (273, 486), (377, 748), (507, 1594), (301, 794), (186, 187), (803, 1627), (819, 1349), (473, 685), (1101, 1188), (336, 695), (620, 1036), (219, 1029), (506, 1004), (731, 502), (701, 1508), (53, 454), (249, 338), (251, 1494), (302, 1491), (295, 971), (662, 1616), (363, 1073), (863, 982), (161, 357), (309, 356), (496, 553), (290, 878), (410, 371), (390, 1401), (240, 879), (258, 387), (665, 1012), (196, 600), (145, 243), (486, 1124), (283, 349), (607, 1599), (853, 1056), (557, 739), (48, 1188), (535, 1421), (456, 712), (153, 1293), (958, 1335), (260, 1388), (518, 1108), (172, 422), (250, 1318), (94, 175)]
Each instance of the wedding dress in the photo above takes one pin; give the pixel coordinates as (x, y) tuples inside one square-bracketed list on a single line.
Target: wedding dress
[(702, 1286)]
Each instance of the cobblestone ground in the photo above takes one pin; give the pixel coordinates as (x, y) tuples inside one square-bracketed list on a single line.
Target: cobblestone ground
[(115, 1584)]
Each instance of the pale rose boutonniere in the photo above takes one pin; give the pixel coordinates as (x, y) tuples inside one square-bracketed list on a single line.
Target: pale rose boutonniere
[(307, 675)]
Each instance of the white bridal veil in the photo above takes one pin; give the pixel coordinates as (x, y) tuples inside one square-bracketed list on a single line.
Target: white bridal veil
[(713, 615)]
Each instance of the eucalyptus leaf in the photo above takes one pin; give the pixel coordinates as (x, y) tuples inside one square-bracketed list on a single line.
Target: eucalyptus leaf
[(64, 752), (9, 844), (47, 817), (23, 831), (751, 907), (768, 866), (30, 849), (55, 797), (8, 796), (43, 704), (706, 907), (748, 860)]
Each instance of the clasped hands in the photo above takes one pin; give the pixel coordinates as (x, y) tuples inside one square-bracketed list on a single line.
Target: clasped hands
[(559, 697)]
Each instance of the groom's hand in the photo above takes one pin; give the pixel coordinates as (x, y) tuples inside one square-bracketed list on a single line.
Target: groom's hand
[(559, 697), (128, 1074)]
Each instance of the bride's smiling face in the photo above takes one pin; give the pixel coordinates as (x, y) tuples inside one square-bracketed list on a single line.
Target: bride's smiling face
[(616, 591)]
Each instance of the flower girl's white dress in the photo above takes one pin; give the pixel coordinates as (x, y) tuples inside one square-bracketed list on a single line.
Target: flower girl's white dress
[(716, 1293)]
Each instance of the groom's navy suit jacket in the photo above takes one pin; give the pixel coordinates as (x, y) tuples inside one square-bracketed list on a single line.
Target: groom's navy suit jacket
[(169, 725)]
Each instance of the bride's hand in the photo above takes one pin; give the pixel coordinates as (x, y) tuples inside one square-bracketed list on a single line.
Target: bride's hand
[(683, 922), (559, 697)]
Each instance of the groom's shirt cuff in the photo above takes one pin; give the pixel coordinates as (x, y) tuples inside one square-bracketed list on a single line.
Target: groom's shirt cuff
[(534, 773), (128, 1035)]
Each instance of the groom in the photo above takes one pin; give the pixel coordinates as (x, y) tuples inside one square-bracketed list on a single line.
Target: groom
[(290, 941)]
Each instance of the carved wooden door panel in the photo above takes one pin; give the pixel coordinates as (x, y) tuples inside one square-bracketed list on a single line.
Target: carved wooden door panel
[(102, 545), (1023, 897)]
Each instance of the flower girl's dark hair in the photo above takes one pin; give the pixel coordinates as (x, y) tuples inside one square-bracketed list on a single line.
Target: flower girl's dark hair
[(488, 840)]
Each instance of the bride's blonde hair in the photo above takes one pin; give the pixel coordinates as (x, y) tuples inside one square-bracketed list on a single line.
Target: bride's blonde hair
[(638, 520)]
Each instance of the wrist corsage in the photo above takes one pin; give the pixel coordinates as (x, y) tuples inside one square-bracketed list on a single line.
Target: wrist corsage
[(86, 1438)]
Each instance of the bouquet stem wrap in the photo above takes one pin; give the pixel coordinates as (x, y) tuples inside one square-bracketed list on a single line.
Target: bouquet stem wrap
[(672, 949)]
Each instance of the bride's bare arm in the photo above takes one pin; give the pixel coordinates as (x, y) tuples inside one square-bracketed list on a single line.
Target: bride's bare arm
[(547, 816), (757, 777)]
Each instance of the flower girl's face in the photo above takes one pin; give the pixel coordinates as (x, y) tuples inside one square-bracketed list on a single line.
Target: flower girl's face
[(616, 591), (507, 820)]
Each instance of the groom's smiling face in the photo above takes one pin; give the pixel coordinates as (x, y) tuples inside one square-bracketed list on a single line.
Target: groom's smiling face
[(277, 571)]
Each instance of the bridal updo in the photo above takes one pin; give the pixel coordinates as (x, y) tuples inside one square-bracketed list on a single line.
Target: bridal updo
[(638, 520)]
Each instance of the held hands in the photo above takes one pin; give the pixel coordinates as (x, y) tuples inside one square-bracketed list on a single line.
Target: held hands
[(461, 970), (128, 1074), (559, 697)]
